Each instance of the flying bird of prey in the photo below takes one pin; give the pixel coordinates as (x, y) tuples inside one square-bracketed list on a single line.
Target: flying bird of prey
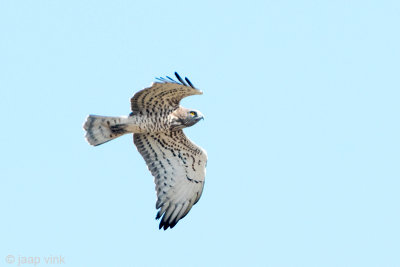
[(156, 121)]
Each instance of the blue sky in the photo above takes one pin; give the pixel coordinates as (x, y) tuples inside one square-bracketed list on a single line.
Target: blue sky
[(301, 100)]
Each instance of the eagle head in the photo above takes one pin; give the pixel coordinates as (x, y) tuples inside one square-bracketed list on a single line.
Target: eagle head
[(183, 117)]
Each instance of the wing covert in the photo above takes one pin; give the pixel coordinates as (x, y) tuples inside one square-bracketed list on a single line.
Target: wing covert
[(178, 167)]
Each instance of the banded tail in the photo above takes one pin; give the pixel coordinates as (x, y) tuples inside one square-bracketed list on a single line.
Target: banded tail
[(101, 129)]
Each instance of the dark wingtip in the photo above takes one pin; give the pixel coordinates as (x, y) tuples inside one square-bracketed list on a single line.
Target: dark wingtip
[(161, 79), (172, 225), (189, 82), (180, 79), (168, 79), (172, 80), (165, 225)]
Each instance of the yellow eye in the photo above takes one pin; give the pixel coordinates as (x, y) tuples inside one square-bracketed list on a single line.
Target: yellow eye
[(192, 113)]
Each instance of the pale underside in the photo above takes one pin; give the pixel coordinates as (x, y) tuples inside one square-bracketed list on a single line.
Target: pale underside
[(177, 164)]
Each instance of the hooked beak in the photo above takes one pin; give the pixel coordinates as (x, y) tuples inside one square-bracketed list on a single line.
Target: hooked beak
[(199, 118)]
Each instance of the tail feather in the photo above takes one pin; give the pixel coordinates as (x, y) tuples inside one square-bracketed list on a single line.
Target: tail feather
[(101, 129)]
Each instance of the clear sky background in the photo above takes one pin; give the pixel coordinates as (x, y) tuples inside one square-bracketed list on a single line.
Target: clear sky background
[(301, 100)]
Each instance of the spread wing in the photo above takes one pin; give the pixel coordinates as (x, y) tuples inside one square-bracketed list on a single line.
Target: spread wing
[(178, 167), (164, 94)]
